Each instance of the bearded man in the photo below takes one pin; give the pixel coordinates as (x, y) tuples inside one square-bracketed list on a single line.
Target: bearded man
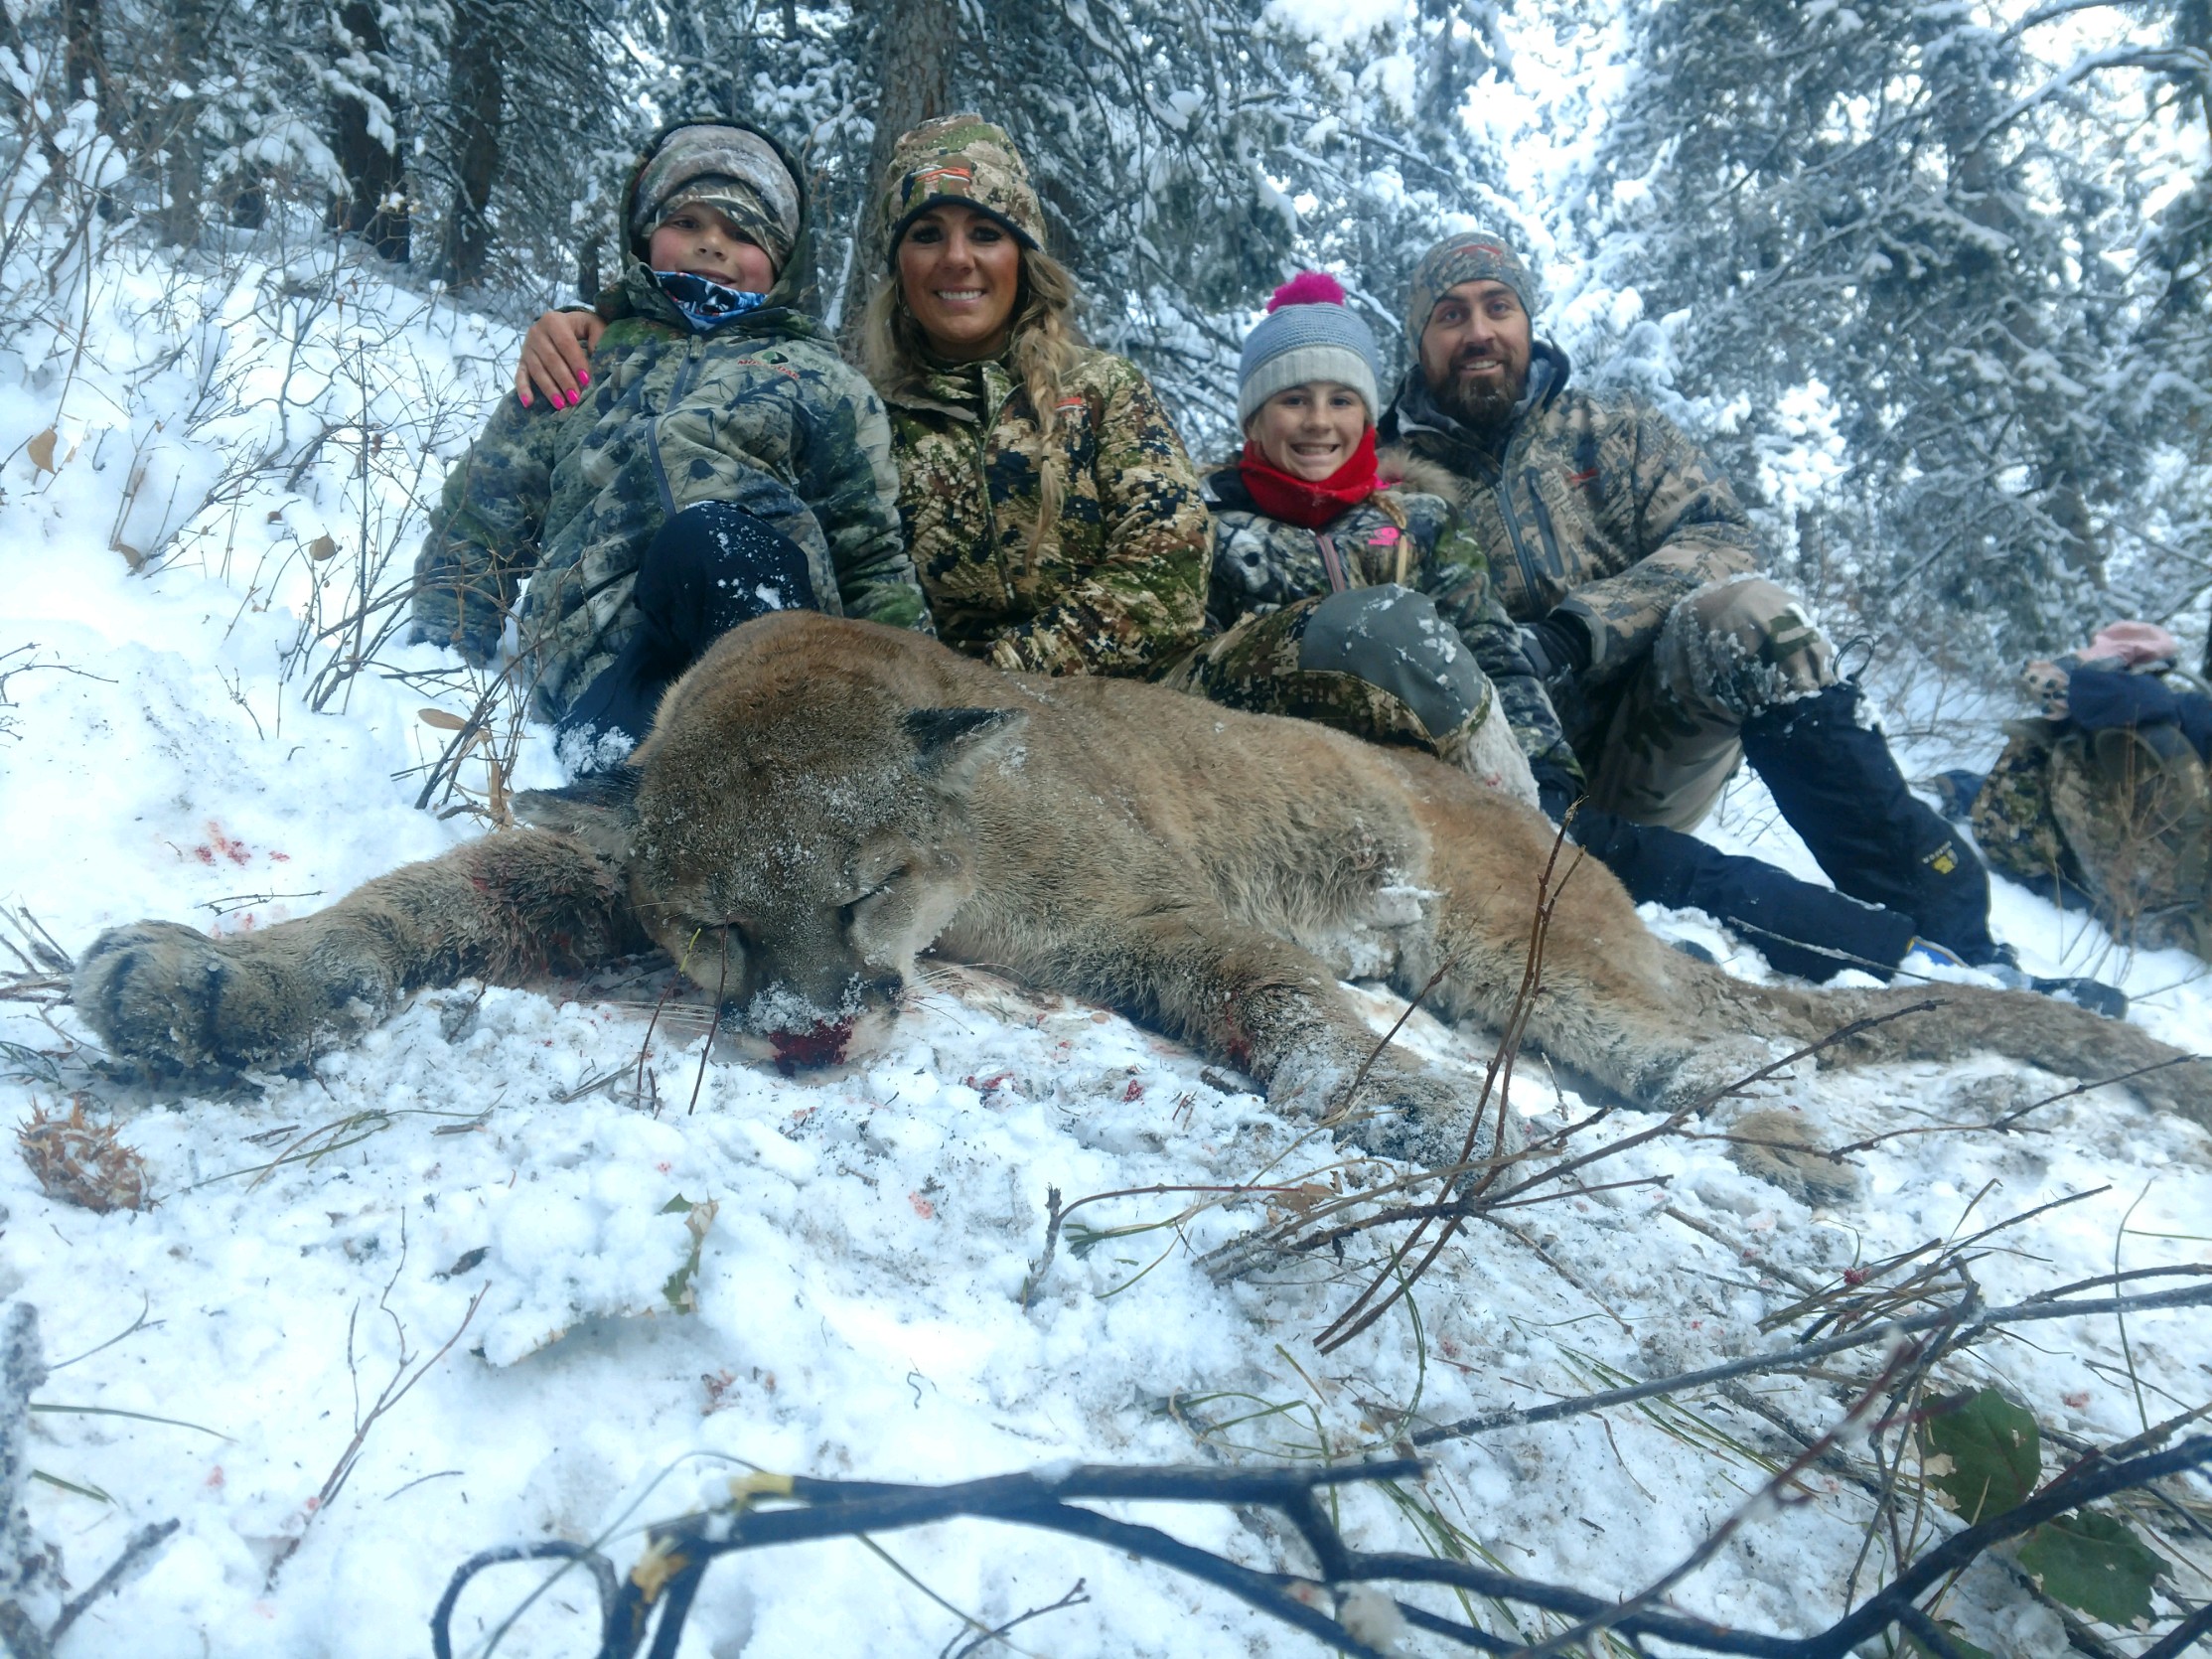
[(1632, 570)]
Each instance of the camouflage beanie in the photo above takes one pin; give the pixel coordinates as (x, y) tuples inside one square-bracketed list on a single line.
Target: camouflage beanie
[(961, 158), (735, 172), (1471, 256)]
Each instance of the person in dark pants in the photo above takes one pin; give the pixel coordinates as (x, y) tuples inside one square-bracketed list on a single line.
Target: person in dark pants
[(2102, 801), (1359, 599), (1632, 570)]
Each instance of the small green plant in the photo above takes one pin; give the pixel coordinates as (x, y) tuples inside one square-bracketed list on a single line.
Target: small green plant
[(1984, 1457)]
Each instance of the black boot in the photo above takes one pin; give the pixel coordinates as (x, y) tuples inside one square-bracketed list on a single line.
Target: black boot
[(1812, 932), (711, 566), (1838, 785)]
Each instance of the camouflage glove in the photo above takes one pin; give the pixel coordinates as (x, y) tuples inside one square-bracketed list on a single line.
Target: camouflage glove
[(1557, 648)]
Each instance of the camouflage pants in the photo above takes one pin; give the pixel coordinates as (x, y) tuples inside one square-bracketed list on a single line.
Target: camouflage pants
[(1727, 651), (1378, 663), (2125, 814)]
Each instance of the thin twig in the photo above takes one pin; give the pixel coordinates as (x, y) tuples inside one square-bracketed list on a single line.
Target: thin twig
[(1514, 1416)]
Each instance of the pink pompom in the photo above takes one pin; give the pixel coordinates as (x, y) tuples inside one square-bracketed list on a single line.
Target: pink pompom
[(1308, 288)]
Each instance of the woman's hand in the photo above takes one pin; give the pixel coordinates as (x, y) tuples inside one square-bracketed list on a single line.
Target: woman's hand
[(557, 355)]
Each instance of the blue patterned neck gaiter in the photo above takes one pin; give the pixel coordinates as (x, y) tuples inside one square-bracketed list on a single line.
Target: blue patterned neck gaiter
[(706, 303)]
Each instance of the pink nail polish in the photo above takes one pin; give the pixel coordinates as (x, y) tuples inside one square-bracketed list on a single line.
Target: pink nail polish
[(525, 397), (560, 401), (583, 377)]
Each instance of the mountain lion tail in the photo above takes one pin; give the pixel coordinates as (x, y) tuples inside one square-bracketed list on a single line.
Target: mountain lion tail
[(1966, 1019)]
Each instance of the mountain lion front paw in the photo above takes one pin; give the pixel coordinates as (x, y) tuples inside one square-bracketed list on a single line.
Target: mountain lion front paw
[(175, 999), (1401, 1109), (1415, 1112)]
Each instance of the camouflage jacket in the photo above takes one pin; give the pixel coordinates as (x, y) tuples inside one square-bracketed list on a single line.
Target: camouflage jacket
[(1401, 535), (1594, 506), (1117, 580), (762, 412)]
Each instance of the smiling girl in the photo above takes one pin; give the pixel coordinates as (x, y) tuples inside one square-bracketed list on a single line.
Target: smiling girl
[(1344, 597)]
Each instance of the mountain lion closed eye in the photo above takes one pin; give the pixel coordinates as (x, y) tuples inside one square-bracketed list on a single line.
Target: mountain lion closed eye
[(823, 799)]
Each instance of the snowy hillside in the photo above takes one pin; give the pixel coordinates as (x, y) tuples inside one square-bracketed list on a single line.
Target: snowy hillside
[(680, 1265)]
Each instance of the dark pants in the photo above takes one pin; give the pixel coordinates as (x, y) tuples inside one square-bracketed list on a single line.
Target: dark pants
[(711, 566), (1836, 783), (1800, 927)]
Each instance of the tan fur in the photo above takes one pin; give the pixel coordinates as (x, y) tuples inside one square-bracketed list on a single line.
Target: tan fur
[(823, 799), (1401, 466)]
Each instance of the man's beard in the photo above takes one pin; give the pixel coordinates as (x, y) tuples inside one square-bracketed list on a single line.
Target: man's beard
[(1484, 403)]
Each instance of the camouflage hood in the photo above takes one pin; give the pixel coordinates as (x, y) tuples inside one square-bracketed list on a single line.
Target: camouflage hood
[(793, 277), (961, 158)]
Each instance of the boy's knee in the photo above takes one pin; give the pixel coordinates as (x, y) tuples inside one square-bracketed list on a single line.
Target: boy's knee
[(1394, 639), (714, 565), (1744, 644)]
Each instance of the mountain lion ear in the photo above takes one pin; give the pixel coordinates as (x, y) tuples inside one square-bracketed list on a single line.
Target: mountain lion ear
[(953, 742), (600, 811)]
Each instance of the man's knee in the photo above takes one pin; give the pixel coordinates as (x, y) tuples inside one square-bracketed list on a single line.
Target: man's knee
[(1742, 646), (1392, 639)]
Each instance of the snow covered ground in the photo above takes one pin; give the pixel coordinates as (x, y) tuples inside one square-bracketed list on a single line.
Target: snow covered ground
[(820, 1275)]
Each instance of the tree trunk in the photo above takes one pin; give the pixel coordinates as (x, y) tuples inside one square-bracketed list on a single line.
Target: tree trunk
[(84, 60), (1980, 194), (365, 135), (17, 103), (911, 47), (476, 84), (587, 266), (189, 53), (704, 86)]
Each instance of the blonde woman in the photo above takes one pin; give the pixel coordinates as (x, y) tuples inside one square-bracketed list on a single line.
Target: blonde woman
[(1053, 517)]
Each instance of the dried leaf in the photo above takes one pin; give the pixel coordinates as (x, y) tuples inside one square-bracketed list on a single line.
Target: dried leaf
[(80, 1163), (683, 1294), (466, 1262), (322, 546), (442, 721), (1993, 1451), (40, 450), (2094, 1563)]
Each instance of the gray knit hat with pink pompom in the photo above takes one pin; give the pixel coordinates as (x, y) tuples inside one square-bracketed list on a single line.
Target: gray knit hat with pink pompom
[(1309, 334)]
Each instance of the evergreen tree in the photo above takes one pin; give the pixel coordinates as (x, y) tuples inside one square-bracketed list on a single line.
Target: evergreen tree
[(1908, 205)]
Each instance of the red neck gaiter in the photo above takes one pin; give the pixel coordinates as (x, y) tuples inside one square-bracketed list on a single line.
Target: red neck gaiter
[(1308, 505)]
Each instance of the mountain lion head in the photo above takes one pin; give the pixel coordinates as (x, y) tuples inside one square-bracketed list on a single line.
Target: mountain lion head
[(794, 839)]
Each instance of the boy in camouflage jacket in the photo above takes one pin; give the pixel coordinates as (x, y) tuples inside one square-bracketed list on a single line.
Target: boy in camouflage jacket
[(727, 415)]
